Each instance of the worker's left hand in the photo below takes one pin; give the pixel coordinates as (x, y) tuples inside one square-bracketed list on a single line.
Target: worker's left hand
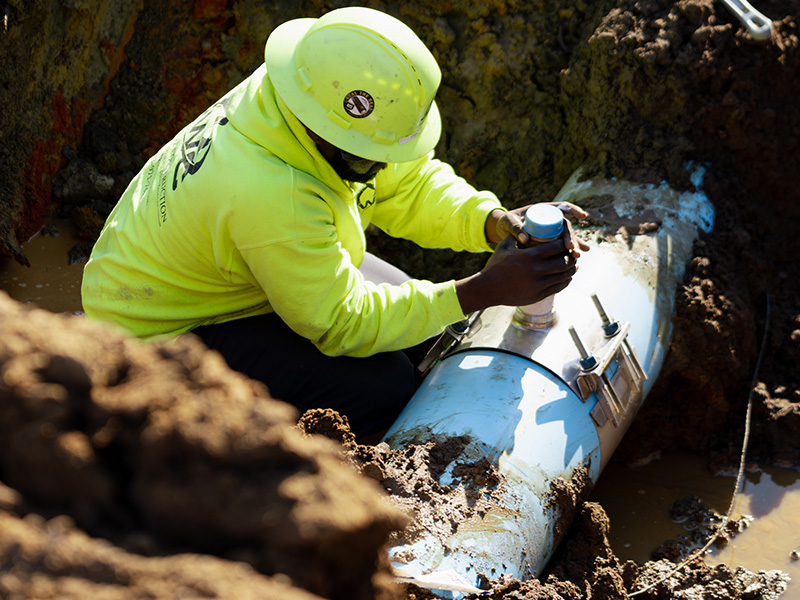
[(500, 223)]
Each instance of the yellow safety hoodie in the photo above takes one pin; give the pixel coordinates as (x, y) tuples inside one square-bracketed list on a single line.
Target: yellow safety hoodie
[(241, 215)]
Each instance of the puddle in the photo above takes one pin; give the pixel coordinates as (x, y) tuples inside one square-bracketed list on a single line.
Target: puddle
[(772, 497), (637, 501), (50, 282)]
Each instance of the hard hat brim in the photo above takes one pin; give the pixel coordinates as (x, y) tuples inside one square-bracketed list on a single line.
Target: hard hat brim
[(279, 57)]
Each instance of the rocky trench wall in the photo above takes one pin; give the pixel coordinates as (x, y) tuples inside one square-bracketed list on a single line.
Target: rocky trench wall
[(529, 91)]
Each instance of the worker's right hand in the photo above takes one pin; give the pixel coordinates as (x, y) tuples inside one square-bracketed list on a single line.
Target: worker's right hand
[(501, 223), (517, 276)]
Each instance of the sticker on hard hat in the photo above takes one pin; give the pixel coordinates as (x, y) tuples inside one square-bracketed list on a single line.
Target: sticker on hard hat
[(359, 104)]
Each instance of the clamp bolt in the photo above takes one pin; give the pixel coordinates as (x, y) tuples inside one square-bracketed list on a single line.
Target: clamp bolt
[(588, 361), (610, 328)]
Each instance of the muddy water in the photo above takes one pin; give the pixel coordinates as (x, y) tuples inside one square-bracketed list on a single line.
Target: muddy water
[(772, 497), (50, 282), (638, 499)]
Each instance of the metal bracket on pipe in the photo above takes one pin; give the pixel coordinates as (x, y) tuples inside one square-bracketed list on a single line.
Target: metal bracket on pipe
[(449, 338), (616, 390)]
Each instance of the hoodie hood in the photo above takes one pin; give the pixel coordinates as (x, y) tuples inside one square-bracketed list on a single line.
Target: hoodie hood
[(256, 111)]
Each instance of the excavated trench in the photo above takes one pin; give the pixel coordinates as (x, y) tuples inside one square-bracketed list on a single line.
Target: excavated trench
[(151, 468)]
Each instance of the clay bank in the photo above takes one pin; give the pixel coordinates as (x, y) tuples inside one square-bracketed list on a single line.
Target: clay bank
[(133, 469)]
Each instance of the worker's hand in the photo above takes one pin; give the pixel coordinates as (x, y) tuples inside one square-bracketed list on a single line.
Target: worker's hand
[(517, 276), (501, 223)]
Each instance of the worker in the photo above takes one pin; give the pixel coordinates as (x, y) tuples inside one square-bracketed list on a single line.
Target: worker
[(247, 229)]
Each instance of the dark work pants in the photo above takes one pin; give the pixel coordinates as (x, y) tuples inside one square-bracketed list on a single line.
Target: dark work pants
[(369, 391)]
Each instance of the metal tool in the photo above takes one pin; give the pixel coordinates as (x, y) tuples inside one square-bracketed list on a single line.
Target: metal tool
[(759, 26), (449, 338)]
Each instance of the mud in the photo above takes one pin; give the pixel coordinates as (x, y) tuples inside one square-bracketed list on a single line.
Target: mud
[(701, 525), (568, 497), (156, 469), (61, 561), (592, 571), (412, 478)]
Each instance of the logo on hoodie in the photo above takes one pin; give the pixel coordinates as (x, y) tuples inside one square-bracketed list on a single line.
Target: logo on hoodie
[(366, 196), (196, 142)]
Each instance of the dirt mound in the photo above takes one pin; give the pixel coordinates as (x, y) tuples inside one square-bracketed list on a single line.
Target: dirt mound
[(160, 447), (53, 559)]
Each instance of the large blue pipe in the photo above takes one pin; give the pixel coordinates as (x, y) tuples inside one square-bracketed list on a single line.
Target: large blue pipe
[(543, 404)]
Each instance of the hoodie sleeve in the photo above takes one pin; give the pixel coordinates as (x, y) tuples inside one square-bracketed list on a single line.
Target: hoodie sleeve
[(426, 202), (312, 284)]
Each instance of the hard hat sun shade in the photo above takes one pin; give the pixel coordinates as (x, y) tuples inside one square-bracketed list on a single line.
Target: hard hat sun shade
[(360, 79)]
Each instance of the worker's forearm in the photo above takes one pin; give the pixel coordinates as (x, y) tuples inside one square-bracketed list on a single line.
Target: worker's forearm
[(470, 295)]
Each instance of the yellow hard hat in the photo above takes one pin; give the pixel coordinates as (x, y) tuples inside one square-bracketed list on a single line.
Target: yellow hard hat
[(360, 79)]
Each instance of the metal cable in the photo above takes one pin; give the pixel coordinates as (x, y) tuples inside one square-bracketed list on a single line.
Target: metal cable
[(739, 475)]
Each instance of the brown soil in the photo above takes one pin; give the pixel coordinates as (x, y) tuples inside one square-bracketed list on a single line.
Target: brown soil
[(160, 448), (151, 470)]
